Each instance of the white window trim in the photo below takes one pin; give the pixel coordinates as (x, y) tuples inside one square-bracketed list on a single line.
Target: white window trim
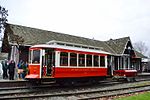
[(68, 59), (99, 61), (92, 60), (77, 59), (106, 61), (41, 54), (85, 60), (57, 58)]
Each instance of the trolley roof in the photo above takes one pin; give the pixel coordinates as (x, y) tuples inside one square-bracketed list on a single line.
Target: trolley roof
[(70, 46)]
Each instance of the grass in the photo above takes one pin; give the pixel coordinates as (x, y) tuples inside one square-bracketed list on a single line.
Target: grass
[(139, 96)]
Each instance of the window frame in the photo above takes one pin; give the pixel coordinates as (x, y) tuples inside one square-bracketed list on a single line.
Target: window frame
[(64, 59), (102, 64), (81, 59), (73, 59), (34, 59), (98, 61), (90, 58)]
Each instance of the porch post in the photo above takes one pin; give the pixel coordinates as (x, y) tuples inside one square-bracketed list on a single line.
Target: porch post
[(129, 62), (111, 64), (121, 67), (118, 62)]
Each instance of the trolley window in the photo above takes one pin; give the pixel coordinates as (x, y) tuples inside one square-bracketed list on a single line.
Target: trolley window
[(89, 60), (96, 61), (63, 59), (36, 56), (73, 59), (102, 61), (81, 60)]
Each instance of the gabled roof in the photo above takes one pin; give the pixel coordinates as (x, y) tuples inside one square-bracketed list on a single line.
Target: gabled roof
[(118, 45), (34, 36), (139, 55)]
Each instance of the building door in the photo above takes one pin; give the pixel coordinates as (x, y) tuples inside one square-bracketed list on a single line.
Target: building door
[(116, 63)]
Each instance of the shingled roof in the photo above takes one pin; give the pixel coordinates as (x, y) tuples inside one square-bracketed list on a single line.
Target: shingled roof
[(118, 45), (34, 36)]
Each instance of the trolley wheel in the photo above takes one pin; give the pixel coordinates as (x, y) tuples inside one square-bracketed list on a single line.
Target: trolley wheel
[(130, 79)]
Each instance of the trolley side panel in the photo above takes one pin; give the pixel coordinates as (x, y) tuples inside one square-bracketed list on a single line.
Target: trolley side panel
[(79, 72)]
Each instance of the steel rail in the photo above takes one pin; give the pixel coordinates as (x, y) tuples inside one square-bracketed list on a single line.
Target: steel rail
[(115, 94), (72, 93)]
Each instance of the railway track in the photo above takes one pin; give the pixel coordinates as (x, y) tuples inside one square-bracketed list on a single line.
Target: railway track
[(55, 86), (76, 93), (112, 92)]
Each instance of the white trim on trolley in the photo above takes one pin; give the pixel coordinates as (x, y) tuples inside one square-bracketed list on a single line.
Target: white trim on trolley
[(69, 48), (79, 67), (74, 44)]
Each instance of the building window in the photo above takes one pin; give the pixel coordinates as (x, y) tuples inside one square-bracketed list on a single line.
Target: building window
[(96, 61), (63, 59), (89, 60), (73, 59), (81, 60), (102, 61)]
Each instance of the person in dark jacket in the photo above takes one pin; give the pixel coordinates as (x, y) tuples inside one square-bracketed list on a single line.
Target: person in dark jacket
[(11, 68)]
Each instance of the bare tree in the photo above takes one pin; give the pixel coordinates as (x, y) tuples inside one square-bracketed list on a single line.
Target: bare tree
[(18, 40), (141, 47), (3, 19)]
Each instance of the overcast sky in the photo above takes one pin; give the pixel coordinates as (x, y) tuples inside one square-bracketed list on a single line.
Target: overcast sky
[(98, 19)]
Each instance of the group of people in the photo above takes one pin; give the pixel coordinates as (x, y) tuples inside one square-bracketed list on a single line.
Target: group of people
[(7, 69), (22, 69)]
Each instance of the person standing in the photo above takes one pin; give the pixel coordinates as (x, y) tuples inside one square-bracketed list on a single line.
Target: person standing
[(1, 70), (5, 67), (25, 69), (11, 68), (20, 69)]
